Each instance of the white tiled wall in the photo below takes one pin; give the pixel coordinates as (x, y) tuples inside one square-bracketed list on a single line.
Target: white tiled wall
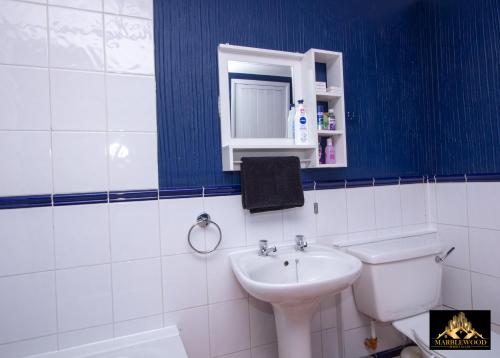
[(468, 217), (77, 96), (118, 268)]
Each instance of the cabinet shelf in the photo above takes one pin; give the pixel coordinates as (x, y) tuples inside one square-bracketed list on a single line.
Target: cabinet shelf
[(326, 96), (271, 146), (336, 165), (328, 133)]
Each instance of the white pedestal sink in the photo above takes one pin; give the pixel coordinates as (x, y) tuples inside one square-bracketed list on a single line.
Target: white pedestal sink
[(294, 282)]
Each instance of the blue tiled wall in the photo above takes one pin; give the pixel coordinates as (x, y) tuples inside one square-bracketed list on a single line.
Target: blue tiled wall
[(463, 56), (401, 114)]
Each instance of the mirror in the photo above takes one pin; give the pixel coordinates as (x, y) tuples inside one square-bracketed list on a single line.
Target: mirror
[(260, 98)]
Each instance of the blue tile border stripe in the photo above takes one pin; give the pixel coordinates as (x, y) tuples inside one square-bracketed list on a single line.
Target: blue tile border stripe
[(174, 193), (28, 201), (80, 198), (136, 195), (31, 201)]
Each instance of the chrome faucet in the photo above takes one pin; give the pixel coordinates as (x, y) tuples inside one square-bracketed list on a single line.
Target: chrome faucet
[(300, 244), (264, 250)]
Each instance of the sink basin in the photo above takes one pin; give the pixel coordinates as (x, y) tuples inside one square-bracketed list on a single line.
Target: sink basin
[(294, 282)]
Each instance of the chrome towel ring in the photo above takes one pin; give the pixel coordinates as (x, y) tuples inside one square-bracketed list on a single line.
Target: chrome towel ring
[(203, 220)]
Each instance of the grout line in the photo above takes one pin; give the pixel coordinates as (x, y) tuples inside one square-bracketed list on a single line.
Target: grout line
[(161, 258), (76, 69), (54, 241), (108, 177), (468, 241), (85, 10), (205, 259), (77, 130)]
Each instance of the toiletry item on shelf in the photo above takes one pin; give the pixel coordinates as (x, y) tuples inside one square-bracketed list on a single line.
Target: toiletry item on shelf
[(320, 120), (320, 153), (301, 132), (325, 120), (289, 122), (329, 152), (332, 121)]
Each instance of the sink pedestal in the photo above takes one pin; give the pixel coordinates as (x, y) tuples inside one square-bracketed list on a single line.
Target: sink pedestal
[(293, 327)]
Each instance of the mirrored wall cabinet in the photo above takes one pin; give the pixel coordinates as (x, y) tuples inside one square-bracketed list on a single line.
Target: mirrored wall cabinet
[(257, 87)]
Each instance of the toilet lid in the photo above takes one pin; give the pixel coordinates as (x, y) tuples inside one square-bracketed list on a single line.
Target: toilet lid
[(419, 326)]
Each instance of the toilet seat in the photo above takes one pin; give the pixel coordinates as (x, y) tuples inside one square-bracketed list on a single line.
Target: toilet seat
[(417, 329)]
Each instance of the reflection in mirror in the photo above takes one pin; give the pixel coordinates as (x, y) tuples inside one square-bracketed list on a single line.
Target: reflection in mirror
[(261, 95)]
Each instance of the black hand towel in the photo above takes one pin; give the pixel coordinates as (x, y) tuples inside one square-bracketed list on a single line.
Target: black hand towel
[(271, 183)]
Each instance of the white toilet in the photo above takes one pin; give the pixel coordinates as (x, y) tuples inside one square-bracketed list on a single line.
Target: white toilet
[(400, 281)]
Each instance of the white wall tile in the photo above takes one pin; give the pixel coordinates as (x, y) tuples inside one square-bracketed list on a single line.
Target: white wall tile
[(388, 206), (81, 235), (360, 209), (79, 161), (135, 230), (137, 289), (458, 237), (495, 328), (330, 340), (266, 351), (184, 282), (95, 5), (85, 336), (24, 98), (456, 288), (486, 291), (484, 205), (241, 354), (316, 320), (413, 203), (25, 163), (129, 45), (23, 33), (176, 218), (262, 325), (229, 327), (264, 226), (222, 284), (193, 328), (29, 347), (27, 306), (139, 8), (302, 220), (451, 203), (132, 326), (27, 241), (431, 201), (131, 103), (316, 345), (228, 213), (84, 297), (76, 39), (351, 317), (78, 100), (332, 214), (329, 308), (132, 161), (485, 251)]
